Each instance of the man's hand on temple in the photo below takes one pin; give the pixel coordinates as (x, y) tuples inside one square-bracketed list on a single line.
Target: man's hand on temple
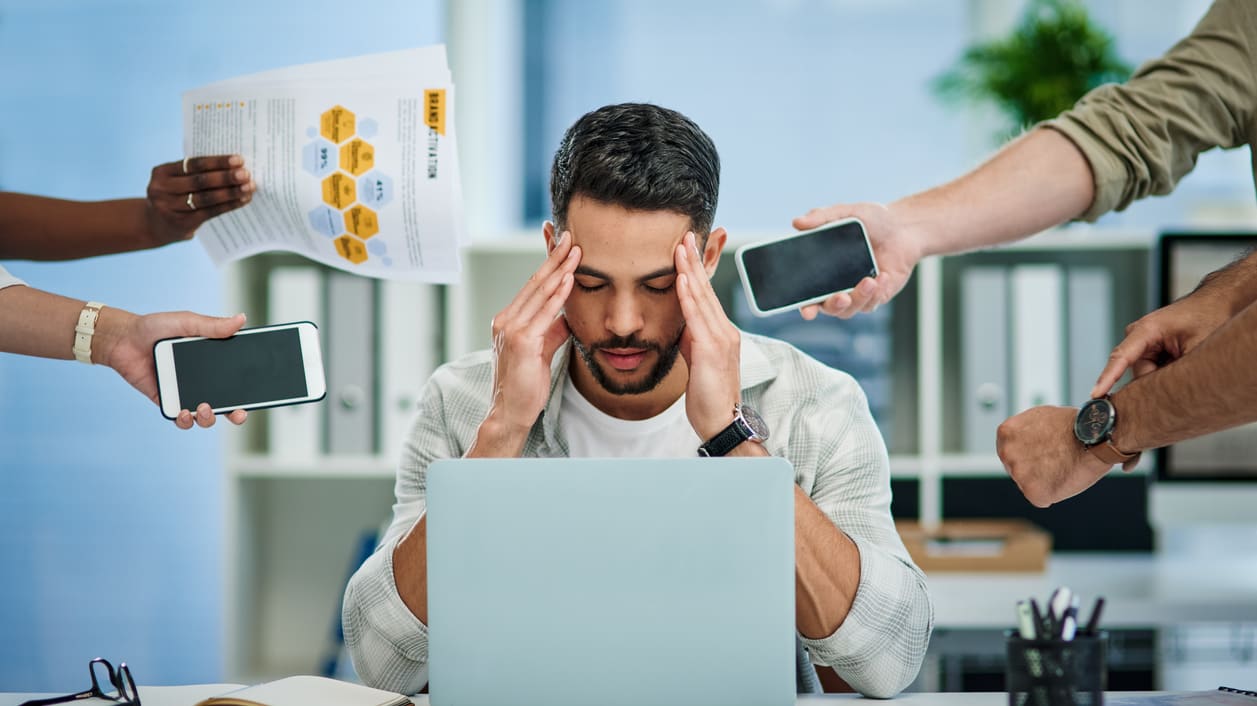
[(710, 344)]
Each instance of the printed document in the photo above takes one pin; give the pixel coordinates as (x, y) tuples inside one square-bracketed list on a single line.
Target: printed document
[(355, 162)]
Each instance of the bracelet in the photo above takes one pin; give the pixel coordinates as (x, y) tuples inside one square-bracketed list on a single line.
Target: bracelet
[(84, 330)]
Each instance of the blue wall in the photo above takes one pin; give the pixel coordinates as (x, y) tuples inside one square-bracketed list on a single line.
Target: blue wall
[(111, 520)]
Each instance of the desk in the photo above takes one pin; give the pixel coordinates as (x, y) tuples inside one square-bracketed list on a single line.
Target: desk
[(188, 695)]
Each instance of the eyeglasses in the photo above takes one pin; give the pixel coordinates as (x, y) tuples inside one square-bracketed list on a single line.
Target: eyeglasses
[(120, 679)]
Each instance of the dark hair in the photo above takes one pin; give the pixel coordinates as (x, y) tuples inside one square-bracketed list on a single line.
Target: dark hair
[(641, 157)]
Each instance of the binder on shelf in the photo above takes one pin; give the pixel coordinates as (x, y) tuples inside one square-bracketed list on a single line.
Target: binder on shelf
[(295, 432), (984, 351), (1090, 328), (349, 355), (1038, 338), (409, 324)]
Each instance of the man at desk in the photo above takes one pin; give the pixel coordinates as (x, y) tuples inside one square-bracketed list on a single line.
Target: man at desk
[(618, 347)]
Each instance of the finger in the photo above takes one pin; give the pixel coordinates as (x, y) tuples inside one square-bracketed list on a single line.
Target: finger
[(1142, 367), (212, 163), (696, 324), (548, 295), (556, 335), (554, 261), (810, 311), (238, 416), (703, 291), (820, 216), (204, 214), (215, 326), (863, 297), (184, 419), (1122, 357), (204, 417), (197, 182), (838, 305)]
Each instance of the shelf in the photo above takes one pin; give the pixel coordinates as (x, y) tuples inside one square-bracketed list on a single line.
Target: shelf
[(264, 466)]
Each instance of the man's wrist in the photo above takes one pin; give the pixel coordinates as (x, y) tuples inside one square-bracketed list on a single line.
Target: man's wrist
[(499, 438)]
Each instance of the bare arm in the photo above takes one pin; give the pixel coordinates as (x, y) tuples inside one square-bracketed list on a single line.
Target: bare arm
[(177, 203), (1213, 388)]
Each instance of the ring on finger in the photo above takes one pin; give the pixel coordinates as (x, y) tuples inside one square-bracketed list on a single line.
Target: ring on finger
[(190, 202), (185, 165)]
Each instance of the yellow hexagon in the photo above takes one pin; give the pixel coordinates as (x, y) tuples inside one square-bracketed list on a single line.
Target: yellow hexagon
[(337, 124), (351, 249), (339, 190), (362, 222), (357, 157)]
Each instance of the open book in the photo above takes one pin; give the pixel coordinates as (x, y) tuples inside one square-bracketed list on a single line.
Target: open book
[(307, 691)]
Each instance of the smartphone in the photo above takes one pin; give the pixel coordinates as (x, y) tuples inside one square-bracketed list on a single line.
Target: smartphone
[(264, 366), (806, 267)]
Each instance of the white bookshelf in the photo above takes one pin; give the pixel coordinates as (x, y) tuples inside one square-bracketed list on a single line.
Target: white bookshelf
[(292, 525)]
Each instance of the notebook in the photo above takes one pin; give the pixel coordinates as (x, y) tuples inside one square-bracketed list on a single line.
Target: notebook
[(306, 691), (570, 582), (1223, 696)]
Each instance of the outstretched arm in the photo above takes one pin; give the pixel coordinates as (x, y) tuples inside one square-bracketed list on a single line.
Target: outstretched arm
[(178, 202)]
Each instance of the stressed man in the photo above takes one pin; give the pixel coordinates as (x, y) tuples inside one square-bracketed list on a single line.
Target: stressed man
[(618, 347)]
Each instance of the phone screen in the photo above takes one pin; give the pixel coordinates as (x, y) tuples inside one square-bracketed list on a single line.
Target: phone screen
[(801, 268), (244, 369)]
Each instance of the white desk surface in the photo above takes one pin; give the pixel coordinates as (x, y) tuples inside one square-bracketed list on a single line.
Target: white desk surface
[(189, 695), (1140, 590)]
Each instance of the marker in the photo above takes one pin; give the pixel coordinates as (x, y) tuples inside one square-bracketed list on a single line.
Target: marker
[(1093, 624)]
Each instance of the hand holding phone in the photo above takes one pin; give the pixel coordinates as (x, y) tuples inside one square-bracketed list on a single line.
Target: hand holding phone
[(265, 366), (805, 268)]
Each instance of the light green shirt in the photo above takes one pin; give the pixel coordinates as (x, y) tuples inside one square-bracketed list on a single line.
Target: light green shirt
[(1141, 137), (818, 419)]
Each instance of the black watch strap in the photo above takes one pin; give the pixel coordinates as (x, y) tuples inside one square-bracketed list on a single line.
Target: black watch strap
[(727, 440)]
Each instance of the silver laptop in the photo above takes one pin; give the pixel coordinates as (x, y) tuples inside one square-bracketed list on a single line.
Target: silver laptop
[(648, 582)]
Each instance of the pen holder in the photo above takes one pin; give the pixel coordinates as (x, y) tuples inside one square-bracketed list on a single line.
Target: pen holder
[(1056, 672)]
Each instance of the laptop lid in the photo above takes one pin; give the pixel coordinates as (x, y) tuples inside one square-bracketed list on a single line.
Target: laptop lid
[(611, 581)]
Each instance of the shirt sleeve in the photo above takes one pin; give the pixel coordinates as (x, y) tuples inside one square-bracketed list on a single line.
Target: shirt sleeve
[(1143, 136), (387, 643), (881, 644), (8, 280)]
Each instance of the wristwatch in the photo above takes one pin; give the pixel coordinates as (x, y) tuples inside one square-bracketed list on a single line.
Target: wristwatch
[(1094, 428), (747, 426)]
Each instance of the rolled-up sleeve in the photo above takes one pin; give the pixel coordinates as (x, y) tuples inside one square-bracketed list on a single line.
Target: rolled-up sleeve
[(881, 644), (1143, 136)]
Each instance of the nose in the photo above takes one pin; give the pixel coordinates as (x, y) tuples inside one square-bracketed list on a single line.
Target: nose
[(625, 315)]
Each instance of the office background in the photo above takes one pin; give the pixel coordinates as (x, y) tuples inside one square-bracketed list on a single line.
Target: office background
[(111, 521)]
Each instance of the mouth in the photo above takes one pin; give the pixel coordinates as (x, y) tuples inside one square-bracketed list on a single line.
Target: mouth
[(623, 358)]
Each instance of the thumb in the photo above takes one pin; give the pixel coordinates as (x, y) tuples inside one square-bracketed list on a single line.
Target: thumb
[(819, 216), (215, 326), (555, 336)]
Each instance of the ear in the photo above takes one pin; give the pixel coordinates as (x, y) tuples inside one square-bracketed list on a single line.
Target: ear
[(547, 230), (711, 254)]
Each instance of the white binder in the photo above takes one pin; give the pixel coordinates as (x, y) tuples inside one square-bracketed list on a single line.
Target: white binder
[(295, 293), (1038, 336), (984, 350)]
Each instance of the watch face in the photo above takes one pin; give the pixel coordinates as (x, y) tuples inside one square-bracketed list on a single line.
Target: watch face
[(1094, 422), (755, 422)]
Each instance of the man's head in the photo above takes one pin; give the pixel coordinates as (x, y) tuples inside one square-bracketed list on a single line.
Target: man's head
[(628, 182), (640, 157)]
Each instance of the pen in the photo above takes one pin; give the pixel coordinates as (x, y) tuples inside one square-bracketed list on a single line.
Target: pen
[(1093, 624), (1040, 623), (1025, 621)]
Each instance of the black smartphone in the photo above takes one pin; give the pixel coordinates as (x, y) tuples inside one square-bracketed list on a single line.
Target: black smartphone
[(805, 268), (266, 366)]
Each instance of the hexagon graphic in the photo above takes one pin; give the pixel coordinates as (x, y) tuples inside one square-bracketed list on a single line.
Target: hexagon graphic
[(357, 156), (338, 190), (368, 128), (351, 249), (362, 221), (319, 158), (327, 221), (375, 189), (377, 246), (337, 124)]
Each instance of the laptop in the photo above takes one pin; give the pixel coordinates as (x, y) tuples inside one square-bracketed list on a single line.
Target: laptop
[(571, 582)]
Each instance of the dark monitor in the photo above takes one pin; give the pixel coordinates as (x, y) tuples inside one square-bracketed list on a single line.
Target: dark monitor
[(1230, 455)]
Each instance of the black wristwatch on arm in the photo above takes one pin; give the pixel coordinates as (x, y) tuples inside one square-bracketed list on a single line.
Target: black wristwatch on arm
[(1094, 426), (747, 426)]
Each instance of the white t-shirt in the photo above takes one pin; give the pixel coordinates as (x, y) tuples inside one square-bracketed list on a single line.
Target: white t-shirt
[(591, 432), (8, 280)]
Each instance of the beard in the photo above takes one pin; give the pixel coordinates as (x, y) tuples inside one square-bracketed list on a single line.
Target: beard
[(666, 358)]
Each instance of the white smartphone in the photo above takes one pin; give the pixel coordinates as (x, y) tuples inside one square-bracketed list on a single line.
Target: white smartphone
[(806, 267), (264, 366)]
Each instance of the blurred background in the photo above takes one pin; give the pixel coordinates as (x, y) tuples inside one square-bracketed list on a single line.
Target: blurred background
[(120, 535)]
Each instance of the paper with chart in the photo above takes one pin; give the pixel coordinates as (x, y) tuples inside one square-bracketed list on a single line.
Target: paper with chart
[(355, 161)]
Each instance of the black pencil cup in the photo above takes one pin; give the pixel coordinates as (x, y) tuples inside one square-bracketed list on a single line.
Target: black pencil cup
[(1056, 672)]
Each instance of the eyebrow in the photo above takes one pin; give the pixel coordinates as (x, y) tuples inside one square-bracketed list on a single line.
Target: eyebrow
[(661, 272)]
